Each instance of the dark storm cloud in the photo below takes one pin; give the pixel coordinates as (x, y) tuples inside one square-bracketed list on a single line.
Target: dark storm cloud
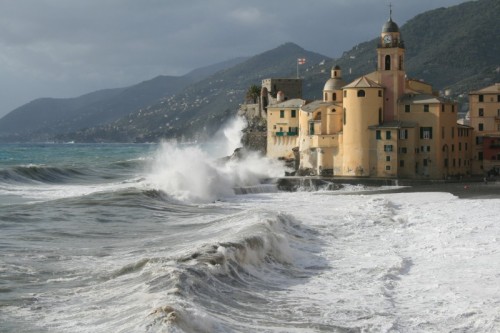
[(63, 48)]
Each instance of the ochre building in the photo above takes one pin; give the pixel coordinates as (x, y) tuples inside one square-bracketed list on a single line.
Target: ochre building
[(484, 113), (380, 125)]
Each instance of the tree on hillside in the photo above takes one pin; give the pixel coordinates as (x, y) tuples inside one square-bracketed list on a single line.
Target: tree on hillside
[(252, 93)]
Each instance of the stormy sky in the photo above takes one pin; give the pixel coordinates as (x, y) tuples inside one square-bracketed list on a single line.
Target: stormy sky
[(65, 48)]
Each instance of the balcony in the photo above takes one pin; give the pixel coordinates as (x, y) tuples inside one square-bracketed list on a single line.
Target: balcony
[(287, 133)]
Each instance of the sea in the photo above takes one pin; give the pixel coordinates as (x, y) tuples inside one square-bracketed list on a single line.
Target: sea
[(176, 237)]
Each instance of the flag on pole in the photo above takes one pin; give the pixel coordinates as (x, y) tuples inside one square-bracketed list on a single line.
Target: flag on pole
[(301, 61)]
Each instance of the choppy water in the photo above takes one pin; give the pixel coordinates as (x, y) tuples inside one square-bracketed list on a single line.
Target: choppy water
[(152, 238)]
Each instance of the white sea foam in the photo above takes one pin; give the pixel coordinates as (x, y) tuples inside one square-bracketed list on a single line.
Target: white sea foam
[(190, 173)]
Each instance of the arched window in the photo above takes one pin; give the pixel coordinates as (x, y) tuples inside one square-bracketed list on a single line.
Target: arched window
[(361, 93), (334, 96), (345, 93), (318, 116), (387, 62), (326, 97)]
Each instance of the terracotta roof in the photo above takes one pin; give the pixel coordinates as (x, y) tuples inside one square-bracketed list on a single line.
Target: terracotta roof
[(291, 103), (421, 99), (314, 105), (493, 89), (363, 82)]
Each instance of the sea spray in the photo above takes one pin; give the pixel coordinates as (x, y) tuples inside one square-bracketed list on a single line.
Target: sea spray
[(191, 173)]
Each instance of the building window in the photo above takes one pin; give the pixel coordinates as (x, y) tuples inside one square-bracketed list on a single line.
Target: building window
[(345, 93), (387, 158), (479, 140), (453, 132), (481, 112), (388, 148), (387, 135), (378, 135), (498, 98), (481, 127), (326, 97), (403, 134), (425, 132), (403, 150), (442, 132), (387, 62), (452, 147), (361, 93), (453, 108), (480, 156), (460, 146), (380, 115), (334, 96), (380, 93), (401, 163), (442, 107), (481, 98), (282, 113), (407, 107), (345, 116), (294, 113), (425, 162), (387, 167), (465, 146), (426, 107)]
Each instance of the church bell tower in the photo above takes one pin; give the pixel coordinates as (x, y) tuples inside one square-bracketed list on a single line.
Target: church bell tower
[(390, 66)]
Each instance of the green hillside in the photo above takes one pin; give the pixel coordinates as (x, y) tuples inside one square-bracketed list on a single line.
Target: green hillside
[(200, 110)]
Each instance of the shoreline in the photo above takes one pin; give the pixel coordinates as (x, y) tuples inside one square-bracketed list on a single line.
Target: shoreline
[(463, 189)]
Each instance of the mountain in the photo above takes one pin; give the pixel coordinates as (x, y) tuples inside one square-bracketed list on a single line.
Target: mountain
[(452, 48), (46, 118), (200, 109)]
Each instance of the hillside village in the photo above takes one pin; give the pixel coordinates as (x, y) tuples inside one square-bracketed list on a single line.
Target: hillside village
[(381, 125)]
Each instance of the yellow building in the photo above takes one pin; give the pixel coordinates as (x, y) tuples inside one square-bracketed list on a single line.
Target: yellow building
[(283, 127), (380, 125), (484, 113)]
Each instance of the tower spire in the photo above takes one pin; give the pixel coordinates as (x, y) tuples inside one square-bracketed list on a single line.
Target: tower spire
[(390, 11)]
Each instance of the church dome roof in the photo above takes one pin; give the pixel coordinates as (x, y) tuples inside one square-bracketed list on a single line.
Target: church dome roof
[(334, 84), (390, 26)]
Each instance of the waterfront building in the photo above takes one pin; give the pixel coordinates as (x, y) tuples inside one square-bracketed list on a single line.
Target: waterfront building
[(484, 114), (382, 124)]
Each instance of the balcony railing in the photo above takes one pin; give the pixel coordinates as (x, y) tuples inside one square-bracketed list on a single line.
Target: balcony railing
[(287, 133)]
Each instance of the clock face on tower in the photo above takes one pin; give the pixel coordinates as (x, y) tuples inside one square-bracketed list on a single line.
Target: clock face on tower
[(387, 39)]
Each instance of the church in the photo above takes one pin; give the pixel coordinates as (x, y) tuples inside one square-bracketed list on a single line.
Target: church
[(381, 125)]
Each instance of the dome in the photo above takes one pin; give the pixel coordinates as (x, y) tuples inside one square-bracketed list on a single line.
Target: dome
[(334, 84), (390, 26)]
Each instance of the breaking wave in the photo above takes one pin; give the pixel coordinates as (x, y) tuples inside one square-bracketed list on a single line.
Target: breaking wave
[(190, 174)]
